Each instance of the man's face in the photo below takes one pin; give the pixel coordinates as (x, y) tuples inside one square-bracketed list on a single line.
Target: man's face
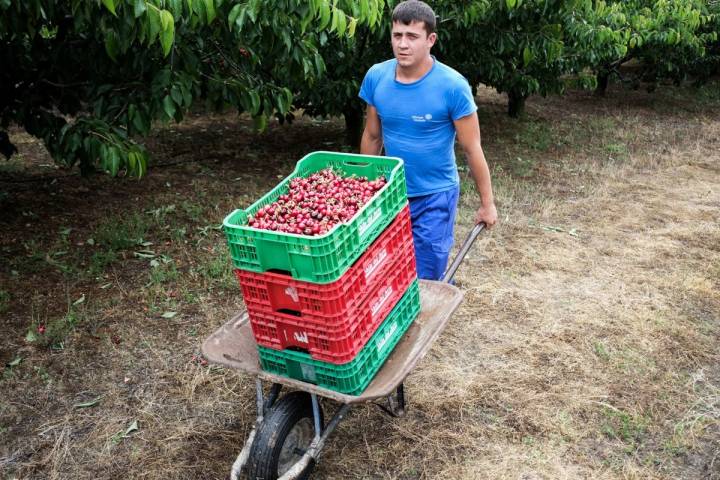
[(411, 44)]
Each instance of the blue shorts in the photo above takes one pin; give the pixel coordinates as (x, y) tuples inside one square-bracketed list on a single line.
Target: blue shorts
[(433, 220)]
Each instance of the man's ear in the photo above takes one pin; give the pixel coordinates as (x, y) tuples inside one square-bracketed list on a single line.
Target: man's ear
[(432, 38)]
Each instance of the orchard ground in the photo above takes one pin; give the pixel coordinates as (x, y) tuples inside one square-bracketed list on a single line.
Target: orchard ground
[(586, 346)]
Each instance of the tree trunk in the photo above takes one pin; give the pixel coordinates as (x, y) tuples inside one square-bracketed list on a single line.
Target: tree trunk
[(353, 126), (516, 104), (603, 79)]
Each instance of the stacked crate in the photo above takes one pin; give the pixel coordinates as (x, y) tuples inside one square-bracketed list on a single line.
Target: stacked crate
[(329, 309)]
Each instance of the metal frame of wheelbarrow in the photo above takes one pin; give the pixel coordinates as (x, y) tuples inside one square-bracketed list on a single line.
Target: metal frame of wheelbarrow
[(233, 345)]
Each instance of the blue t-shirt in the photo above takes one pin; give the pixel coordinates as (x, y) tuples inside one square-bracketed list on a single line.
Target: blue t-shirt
[(417, 121)]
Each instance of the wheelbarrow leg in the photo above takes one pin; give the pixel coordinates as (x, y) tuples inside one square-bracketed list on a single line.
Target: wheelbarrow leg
[(396, 403), (401, 400)]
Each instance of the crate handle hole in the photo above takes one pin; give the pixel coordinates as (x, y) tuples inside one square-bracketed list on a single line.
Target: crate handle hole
[(357, 164), (298, 349), (288, 311), (279, 271)]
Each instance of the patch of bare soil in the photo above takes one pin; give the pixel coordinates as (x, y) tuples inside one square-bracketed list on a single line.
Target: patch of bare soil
[(586, 346)]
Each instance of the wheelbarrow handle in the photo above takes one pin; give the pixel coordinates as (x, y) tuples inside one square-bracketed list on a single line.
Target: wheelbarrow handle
[(450, 273)]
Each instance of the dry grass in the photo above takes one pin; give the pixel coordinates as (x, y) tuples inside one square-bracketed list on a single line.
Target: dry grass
[(586, 347)]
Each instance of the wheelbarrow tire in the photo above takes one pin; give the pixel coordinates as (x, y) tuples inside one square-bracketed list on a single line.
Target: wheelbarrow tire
[(289, 420)]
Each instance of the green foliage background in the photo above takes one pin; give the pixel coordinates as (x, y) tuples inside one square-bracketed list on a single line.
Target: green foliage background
[(90, 77)]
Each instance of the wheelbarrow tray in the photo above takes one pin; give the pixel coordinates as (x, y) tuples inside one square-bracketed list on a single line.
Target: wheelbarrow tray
[(233, 345)]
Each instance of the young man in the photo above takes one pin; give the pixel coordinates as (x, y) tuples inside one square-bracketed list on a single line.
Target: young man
[(415, 108)]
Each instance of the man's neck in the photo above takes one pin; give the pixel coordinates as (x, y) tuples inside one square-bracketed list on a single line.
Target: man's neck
[(414, 73)]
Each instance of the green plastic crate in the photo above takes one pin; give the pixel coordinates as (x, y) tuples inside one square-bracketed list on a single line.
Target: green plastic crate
[(322, 258), (350, 378)]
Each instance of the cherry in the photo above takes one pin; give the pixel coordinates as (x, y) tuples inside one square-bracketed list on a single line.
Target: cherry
[(313, 205)]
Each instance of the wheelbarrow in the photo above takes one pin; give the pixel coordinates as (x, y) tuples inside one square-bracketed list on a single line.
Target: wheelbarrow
[(290, 432)]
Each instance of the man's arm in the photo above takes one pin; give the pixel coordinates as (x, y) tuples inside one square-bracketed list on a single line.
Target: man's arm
[(468, 134), (371, 143)]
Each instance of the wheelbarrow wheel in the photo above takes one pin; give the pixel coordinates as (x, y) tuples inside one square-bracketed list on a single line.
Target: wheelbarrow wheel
[(282, 439)]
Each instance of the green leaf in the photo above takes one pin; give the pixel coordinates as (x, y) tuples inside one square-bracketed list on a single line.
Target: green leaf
[(15, 362), (305, 22), (234, 14), (176, 8), (142, 163), (132, 428), (168, 314), (341, 23), (166, 20), (114, 159), (255, 101), (252, 12), (319, 65), (110, 5), (187, 96), (131, 115), (138, 120), (153, 17), (31, 336), (168, 33), (510, 4), (139, 8), (176, 95), (111, 46), (286, 39), (89, 404), (527, 56), (240, 20), (364, 8), (324, 16), (132, 162), (351, 27), (375, 14), (169, 106), (335, 15), (210, 8), (79, 300), (260, 123)]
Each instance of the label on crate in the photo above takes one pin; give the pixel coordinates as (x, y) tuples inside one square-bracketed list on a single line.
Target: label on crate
[(308, 372), (377, 304), (382, 341), (301, 337), (369, 221), (375, 263), (292, 293)]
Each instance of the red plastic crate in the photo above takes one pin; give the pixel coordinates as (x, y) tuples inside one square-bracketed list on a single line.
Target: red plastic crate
[(333, 321), (336, 338), (282, 293)]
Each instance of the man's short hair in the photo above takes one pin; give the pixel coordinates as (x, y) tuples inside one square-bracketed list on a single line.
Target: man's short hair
[(415, 11)]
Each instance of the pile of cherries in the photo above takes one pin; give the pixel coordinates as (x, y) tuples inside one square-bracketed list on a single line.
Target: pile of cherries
[(315, 204)]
